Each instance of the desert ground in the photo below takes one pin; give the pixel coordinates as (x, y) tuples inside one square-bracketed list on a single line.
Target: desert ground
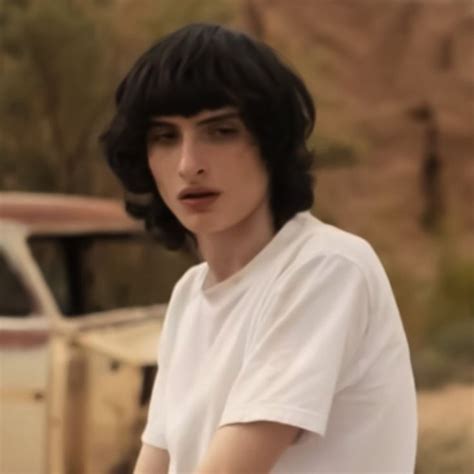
[(446, 430)]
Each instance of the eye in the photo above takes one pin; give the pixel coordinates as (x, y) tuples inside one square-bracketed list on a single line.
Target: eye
[(161, 137), (224, 131)]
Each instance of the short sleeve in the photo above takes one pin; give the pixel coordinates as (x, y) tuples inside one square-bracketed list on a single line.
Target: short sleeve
[(303, 348), (154, 433)]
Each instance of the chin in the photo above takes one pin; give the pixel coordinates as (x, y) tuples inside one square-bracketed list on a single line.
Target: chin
[(199, 223), (202, 224)]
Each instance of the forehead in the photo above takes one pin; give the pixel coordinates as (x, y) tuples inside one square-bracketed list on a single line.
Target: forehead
[(201, 117)]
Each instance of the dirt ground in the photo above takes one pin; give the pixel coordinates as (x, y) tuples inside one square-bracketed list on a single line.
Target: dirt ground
[(446, 430)]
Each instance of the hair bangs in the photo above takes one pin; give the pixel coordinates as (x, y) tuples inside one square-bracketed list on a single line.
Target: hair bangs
[(172, 81), (186, 94), (194, 71)]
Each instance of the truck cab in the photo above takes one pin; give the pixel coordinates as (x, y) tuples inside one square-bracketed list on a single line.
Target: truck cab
[(78, 355)]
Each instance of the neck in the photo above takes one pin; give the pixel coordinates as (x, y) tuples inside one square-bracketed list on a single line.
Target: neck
[(228, 251)]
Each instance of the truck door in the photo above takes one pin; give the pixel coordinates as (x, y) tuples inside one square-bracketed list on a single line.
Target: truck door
[(24, 339)]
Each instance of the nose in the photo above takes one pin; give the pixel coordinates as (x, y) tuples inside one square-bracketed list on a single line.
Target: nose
[(191, 159)]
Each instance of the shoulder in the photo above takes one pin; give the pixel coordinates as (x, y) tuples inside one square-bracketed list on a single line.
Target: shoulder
[(323, 246), (319, 240)]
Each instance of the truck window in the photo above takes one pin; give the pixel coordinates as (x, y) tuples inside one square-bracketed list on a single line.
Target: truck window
[(15, 300), (93, 273)]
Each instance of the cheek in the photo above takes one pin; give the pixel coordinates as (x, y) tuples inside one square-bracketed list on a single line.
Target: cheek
[(152, 164), (255, 172), (157, 169), (158, 174)]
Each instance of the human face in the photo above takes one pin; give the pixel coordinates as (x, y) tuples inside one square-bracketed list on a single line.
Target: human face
[(208, 170)]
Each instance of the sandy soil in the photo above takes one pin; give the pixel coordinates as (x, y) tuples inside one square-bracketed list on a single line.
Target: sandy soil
[(446, 430)]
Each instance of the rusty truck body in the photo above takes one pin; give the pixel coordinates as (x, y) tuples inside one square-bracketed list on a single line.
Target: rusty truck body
[(75, 374)]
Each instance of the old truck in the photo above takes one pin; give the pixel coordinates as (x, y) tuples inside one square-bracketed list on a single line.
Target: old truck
[(77, 357)]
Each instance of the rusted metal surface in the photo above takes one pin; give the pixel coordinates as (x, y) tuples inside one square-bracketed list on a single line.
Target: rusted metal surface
[(48, 213), (67, 380), (114, 317), (134, 344), (23, 333), (23, 396), (11, 339)]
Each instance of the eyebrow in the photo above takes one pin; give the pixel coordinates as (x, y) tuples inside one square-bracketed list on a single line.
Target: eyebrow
[(156, 122)]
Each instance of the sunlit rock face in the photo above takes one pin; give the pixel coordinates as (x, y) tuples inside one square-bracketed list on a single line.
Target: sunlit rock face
[(398, 76)]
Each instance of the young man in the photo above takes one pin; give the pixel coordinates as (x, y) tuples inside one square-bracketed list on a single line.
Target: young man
[(283, 351)]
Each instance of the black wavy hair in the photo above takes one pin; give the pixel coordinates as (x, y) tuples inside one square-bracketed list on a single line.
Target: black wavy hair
[(205, 67)]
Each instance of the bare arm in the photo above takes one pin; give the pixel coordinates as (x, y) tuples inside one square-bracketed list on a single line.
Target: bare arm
[(152, 460), (247, 448)]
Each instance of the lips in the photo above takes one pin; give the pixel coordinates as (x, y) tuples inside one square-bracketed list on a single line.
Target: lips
[(197, 193), (198, 199)]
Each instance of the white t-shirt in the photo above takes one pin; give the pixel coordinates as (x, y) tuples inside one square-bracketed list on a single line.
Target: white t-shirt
[(307, 334)]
